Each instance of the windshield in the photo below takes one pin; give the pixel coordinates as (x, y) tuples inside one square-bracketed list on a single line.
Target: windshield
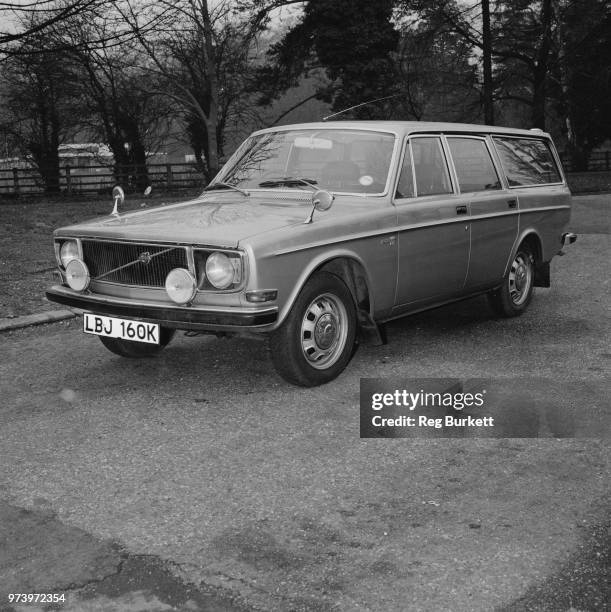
[(349, 161)]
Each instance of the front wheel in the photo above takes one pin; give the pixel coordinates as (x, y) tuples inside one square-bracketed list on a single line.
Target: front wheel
[(316, 341), (136, 350), (516, 292)]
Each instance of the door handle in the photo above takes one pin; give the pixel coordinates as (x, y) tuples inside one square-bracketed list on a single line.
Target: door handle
[(461, 210), (512, 203)]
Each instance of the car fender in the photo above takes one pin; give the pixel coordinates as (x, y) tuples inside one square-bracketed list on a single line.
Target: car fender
[(523, 233), (315, 264)]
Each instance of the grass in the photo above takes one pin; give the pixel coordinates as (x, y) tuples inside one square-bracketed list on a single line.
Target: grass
[(27, 264)]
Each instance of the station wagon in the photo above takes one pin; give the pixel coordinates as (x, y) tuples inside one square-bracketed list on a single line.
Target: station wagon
[(317, 234)]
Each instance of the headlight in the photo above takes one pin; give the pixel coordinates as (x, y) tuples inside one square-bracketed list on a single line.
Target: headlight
[(220, 271), (180, 285), (77, 275), (68, 251)]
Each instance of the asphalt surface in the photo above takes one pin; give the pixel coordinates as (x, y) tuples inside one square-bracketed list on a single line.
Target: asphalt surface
[(202, 471)]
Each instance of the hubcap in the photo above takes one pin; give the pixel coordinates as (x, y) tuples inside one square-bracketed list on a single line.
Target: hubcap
[(520, 278), (324, 330)]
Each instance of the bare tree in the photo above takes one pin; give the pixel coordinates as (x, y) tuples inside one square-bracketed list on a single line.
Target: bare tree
[(113, 87), (202, 54), (22, 20), (39, 109)]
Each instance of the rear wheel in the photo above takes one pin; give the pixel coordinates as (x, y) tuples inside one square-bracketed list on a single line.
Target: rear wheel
[(514, 296), (316, 341), (136, 350)]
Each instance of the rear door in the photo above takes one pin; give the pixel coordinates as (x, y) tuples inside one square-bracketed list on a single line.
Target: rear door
[(433, 226), (494, 209)]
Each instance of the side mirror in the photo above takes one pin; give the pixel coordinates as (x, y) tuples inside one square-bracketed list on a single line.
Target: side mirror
[(321, 200), (118, 195)]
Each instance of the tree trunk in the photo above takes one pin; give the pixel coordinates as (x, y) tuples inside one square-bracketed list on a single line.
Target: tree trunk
[(121, 162), (539, 99), (488, 87), (44, 150), (138, 159), (540, 72), (212, 156), (48, 166)]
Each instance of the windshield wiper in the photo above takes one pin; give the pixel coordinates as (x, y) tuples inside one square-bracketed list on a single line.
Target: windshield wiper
[(221, 185), (288, 181)]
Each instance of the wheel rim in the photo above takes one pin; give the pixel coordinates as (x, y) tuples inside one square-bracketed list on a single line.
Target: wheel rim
[(520, 278), (324, 330)]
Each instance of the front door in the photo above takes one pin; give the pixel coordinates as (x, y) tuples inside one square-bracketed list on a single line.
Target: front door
[(433, 227)]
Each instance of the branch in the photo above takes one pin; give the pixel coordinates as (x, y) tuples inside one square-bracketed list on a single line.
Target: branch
[(285, 113)]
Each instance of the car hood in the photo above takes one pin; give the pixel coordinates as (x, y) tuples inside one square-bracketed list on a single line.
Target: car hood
[(215, 221)]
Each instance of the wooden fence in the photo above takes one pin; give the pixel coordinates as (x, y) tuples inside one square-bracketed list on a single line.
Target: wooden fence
[(599, 161), (100, 179)]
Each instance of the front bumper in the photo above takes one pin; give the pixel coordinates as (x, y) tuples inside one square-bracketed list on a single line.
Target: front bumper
[(197, 319)]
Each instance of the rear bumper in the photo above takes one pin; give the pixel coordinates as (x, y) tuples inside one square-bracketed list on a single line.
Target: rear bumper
[(197, 319)]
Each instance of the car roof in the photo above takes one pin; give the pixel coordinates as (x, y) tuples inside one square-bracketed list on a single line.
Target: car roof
[(409, 127)]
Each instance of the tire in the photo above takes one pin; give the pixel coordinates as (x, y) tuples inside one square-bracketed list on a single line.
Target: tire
[(516, 292), (137, 350), (316, 341)]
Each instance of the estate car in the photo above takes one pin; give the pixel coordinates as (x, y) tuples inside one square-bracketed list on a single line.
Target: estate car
[(316, 234)]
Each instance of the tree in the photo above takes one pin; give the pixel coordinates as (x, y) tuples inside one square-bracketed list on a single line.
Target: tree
[(468, 21), (524, 49), (514, 42), (436, 75), (352, 40), (39, 107), (585, 76), (201, 56), (113, 88)]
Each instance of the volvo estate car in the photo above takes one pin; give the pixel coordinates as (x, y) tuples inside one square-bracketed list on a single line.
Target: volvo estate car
[(317, 234)]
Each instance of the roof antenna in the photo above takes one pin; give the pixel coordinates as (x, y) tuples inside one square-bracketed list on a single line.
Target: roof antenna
[(361, 104)]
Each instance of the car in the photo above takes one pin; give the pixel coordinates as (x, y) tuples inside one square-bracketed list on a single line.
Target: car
[(317, 234)]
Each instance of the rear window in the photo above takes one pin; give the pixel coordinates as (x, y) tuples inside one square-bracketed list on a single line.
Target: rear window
[(527, 161), (432, 176), (474, 167)]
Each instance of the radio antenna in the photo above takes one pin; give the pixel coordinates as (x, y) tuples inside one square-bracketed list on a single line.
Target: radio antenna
[(361, 104)]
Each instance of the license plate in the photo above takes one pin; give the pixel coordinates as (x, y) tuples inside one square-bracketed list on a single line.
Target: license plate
[(121, 328)]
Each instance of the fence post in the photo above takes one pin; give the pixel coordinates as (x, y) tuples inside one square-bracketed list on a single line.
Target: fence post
[(68, 179), (168, 168), (16, 180)]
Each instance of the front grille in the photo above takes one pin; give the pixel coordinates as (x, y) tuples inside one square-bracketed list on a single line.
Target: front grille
[(144, 265)]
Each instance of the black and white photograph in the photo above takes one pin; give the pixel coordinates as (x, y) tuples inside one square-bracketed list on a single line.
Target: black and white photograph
[(305, 305)]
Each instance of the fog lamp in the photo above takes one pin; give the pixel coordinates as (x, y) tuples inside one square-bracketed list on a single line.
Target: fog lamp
[(180, 285), (77, 275), (68, 252), (219, 270)]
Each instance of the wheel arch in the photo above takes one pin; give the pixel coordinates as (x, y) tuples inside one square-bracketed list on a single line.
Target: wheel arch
[(345, 265), (531, 237)]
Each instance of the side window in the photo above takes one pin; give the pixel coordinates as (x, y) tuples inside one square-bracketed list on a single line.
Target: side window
[(432, 176), (473, 164), (405, 188), (527, 161)]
